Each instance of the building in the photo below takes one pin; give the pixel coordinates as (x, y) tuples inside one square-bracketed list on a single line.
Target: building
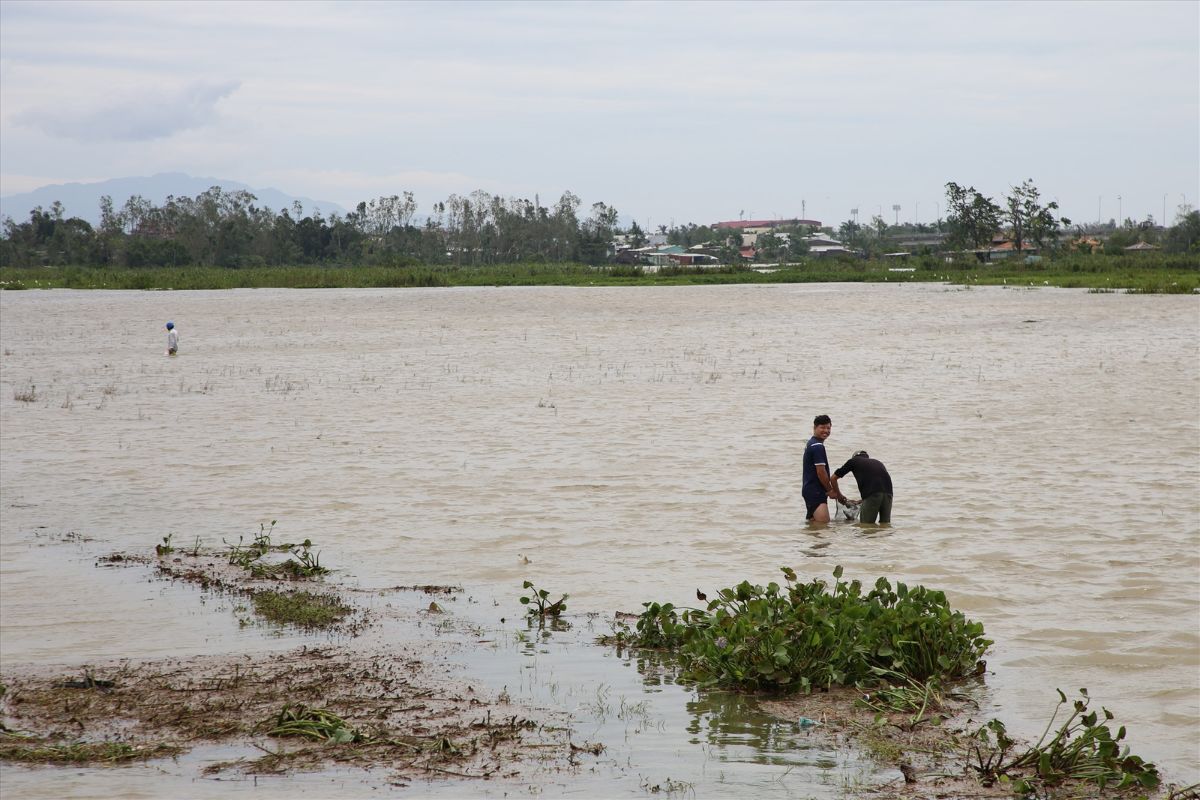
[(762, 225)]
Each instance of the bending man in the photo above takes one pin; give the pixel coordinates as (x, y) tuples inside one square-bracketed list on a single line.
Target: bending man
[(874, 486)]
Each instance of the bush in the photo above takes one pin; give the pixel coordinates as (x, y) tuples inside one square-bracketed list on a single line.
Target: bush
[(805, 635)]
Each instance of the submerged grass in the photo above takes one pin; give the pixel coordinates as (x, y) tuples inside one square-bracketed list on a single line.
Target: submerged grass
[(1142, 274), (36, 750), (304, 609)]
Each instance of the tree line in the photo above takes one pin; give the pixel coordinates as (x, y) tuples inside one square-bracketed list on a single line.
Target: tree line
[(229, 229)]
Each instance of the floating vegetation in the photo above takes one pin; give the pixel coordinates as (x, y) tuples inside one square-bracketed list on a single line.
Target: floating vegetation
[(304, 564), (304, 609), (26, 394), (538, 604), (24, 749), (806, 635), (313, 723), (165, 549)]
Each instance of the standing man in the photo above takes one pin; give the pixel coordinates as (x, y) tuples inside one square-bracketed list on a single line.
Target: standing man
[(874, 486), (818, 487)]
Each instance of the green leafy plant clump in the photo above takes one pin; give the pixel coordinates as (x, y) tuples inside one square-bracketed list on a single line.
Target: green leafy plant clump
[(313, 723), (538, 603), (802, 636), (305, 564), (1083, 748)]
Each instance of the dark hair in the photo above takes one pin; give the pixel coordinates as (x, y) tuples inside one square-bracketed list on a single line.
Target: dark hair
[(822, 419), (862, 453)]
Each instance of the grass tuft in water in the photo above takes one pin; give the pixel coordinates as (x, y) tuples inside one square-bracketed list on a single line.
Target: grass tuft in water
[(304, 609), (22, 749)]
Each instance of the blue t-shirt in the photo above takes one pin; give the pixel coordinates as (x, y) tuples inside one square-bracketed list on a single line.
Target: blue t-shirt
[(814, 454)]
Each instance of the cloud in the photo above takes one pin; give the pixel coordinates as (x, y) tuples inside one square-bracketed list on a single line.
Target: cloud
[(153, 115)]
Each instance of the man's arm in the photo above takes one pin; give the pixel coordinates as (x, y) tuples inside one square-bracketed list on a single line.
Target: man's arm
[(829, 482)]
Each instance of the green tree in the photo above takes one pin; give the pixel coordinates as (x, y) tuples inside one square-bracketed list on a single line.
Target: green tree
[(1030, 220), (637, 236), (1184, 235), (730, 251), (597, 234), (971, 219)]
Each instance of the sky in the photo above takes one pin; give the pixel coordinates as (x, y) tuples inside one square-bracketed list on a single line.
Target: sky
[(670, 112)]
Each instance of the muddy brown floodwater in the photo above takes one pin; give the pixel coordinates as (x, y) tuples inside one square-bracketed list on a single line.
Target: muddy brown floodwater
[(621, 445)]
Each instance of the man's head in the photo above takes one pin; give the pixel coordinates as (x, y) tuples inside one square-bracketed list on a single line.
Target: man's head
[(822, 426), (860, 454), (170, 325)]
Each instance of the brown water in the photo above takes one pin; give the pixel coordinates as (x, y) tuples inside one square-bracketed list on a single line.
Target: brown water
[(633, 444)]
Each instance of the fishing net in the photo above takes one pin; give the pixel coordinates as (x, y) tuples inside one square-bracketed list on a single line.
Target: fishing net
[(846, 509)]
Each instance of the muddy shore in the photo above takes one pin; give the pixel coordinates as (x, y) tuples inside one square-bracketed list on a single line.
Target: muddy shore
[(403, 707)]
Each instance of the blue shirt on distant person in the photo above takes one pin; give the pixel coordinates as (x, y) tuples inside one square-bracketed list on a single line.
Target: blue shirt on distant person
[(814, 454)]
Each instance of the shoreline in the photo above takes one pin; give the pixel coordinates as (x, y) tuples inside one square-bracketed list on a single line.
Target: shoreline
[(403, 705), (1173, 275)]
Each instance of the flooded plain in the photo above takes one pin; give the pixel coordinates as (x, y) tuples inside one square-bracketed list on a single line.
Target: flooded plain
[(622, 445)]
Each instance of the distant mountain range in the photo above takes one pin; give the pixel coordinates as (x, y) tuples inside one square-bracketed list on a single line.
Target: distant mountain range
[(83, 199)]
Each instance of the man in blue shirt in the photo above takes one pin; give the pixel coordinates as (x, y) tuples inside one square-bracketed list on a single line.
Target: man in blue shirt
[(817, 488)]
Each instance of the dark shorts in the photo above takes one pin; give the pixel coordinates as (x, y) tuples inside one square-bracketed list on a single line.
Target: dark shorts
[(811, 501), (878, 505)]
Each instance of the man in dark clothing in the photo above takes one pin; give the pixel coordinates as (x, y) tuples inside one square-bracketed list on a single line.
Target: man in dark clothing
[(817, 488), (874, 486)]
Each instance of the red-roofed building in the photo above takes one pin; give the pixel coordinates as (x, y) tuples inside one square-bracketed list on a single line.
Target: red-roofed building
[(739, 224)]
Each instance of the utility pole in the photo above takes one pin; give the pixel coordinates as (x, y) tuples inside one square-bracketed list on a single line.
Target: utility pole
[(896, 208), (917, 215), (1163, 221), (1099, 209), (803, 209), (1120, 217)]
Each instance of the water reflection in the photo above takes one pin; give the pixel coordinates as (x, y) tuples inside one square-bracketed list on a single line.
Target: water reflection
[(820, 537), (731, 722)]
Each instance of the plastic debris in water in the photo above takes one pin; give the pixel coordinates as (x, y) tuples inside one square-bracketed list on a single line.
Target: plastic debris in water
[(805, 722)]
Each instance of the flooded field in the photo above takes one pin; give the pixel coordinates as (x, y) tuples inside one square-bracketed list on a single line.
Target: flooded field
[(621, 445)]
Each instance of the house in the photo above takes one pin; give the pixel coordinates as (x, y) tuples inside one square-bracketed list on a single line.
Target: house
[(1088, 244), (822, 246), (1002, 248)]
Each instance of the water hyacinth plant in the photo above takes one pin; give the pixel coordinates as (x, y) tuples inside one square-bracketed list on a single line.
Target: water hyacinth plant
[(538, 603), (801, 636), (1083, 748)]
